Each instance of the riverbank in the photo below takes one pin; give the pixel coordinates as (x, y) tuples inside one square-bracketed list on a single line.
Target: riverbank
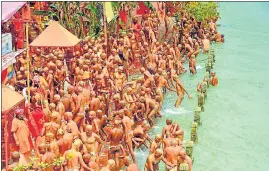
[(183, 115)]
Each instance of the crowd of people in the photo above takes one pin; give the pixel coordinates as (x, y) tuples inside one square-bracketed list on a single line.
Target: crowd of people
[(95, 108)]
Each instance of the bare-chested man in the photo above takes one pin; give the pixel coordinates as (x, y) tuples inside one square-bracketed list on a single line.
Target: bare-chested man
[(90, 140), (167, 128), (130, 166), (180, 91), (171, 153), (46, 110), (156, 144), (73, 99), (152, 108), (129, 98), (48, 76), (94, 102), (148, 78), (192, 65), (73, 158), (87, 158), (206, 44), (140, 135), (59, 105), (152, 64), (196, 48), (214, 80), (71, 124), (115, 138), (162, 62), (64, 140), (110, 165), (94, 121), (153, 160), (48, 158), (51, 126), (81, 103), (127, 123), (186, 159), (189, 50), (161, 83), (120, 79), (139, 109)]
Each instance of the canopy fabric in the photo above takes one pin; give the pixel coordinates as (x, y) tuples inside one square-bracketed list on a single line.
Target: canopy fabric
[(10, 8), (55, 35), (10, 98), (10, 58), (142, 9)]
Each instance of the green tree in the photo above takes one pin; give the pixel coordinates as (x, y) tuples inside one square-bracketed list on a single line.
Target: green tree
[(202, 11), (76, 16)]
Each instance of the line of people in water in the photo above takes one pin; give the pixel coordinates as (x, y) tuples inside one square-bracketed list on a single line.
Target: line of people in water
[(106, 112)]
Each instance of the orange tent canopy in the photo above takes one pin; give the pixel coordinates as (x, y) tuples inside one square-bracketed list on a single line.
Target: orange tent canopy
[(10, 98), (55, 35)]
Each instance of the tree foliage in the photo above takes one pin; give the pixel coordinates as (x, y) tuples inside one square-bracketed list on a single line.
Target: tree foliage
[(117, 7), (80, 19), (202, 11), (149, 5), (85, 18)]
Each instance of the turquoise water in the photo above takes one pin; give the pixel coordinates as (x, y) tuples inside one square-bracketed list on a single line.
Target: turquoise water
[(234, 135)]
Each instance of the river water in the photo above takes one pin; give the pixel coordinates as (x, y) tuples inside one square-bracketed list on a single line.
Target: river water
[(234, 135)]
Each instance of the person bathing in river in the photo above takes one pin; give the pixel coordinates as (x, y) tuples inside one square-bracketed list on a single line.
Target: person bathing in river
[(206, 44), (192, 65), (153, 160), (180, 90), (214, 80)]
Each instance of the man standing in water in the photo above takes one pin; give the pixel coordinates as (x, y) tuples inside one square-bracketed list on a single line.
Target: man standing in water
[(153, 160), (206, 44), (156, 143), (180, 91), (214, 80), (127, 123), (192, 65), (185, 159), (172, 153)]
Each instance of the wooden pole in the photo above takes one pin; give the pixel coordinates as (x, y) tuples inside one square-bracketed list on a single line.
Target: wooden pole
[(105, 30), (6, 139), (28, 64)]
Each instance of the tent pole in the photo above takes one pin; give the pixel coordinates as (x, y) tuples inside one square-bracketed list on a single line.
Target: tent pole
[(6, 139), (28, 64)]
